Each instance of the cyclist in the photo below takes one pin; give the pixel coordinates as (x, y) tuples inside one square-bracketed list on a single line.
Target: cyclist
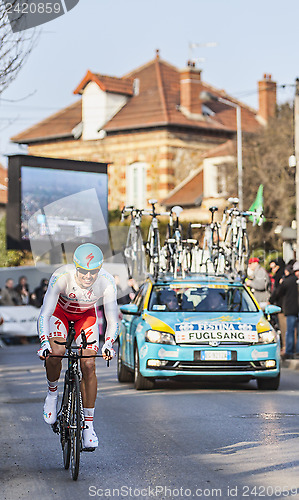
[(72, 294)]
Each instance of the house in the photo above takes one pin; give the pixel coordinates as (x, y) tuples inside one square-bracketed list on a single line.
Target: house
[(3, 190), (153, 130)]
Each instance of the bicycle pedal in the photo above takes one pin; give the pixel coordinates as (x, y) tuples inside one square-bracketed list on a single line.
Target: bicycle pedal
[(88, 449)]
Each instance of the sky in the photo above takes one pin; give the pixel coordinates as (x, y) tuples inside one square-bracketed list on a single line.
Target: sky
[(114, 37)]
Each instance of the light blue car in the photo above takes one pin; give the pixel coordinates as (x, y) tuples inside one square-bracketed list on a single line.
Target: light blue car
[(199, 326)]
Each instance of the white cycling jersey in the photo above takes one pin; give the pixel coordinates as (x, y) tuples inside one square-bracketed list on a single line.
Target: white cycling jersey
[(63, 290)]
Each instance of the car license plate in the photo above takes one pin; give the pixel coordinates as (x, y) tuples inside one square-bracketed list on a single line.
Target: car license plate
[(215, 355)]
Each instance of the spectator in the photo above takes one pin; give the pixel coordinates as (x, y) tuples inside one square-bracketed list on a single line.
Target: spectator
[(277, 267), (258, 280), (22, 290), (9, 297), (122, 298), (288, 291), (37, 297), (134, 288)]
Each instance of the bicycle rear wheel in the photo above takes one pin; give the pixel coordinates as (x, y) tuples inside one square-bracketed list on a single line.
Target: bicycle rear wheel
[(75, 428)]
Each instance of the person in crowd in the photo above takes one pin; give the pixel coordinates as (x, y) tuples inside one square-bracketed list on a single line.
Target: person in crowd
[(9, 296), (134, 288), (22, 290), (37, 297), (122, 298), (277, 268), (287, 290), (258, 280)]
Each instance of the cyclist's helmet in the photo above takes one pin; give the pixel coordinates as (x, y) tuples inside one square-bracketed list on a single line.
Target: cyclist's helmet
[(88, 256)]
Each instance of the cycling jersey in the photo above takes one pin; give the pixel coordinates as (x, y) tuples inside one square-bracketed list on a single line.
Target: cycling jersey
[(74, 302)]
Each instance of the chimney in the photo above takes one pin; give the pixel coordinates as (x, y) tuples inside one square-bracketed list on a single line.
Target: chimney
[(267, 98), (190, 88)]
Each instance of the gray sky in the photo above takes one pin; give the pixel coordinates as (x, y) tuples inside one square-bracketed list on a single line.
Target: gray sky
[(116, 36)]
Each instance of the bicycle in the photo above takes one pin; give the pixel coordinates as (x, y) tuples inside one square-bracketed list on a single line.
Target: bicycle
[(153, 241), (210, 246), (235, 246), (171, 252), (134, 251), (70, 421)]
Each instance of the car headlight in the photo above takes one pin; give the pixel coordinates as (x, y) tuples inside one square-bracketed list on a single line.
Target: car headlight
[(267, 337), (157, 337)]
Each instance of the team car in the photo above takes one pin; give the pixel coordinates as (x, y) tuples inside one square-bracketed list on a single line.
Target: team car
[(201, 326)]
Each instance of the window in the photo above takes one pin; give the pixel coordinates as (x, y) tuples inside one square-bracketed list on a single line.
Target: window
[(201, 298), (136, 184)]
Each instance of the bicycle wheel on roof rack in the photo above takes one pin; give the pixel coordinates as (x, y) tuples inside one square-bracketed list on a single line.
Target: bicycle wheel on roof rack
[(140, 257), (243, 255), (128, 252)]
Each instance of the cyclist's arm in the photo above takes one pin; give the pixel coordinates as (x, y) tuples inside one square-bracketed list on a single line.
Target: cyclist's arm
[(56, 285)]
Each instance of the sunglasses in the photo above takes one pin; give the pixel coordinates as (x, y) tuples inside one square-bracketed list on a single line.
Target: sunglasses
[(93, 272)]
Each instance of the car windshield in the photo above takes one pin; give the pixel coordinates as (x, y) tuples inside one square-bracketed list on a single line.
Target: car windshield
[(201, 298)]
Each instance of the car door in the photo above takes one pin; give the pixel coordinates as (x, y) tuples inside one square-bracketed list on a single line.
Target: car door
[(136, 320)]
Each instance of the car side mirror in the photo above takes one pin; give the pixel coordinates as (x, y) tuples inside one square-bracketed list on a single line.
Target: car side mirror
[(272, 309), (130, 309)]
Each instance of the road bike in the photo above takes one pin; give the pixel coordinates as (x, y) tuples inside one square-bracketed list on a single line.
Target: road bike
[(153, 248), (235, 245), (70, 421), (134, 251), (209, 252)]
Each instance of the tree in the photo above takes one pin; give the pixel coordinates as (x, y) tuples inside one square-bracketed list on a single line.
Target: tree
[(14, 47), (265, 161)]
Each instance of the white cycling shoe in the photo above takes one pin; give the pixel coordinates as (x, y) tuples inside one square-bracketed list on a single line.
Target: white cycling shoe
[(90, 439), (50, 409)]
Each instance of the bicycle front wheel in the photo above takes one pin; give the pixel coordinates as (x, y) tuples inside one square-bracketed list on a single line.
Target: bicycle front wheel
[(75, 428), (64, 425)]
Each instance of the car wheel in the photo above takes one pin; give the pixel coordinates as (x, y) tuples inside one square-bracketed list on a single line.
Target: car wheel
[(123, 373), (141, 382), (268, 384)]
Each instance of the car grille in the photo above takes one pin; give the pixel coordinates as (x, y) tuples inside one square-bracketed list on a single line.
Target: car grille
[(214, 366)]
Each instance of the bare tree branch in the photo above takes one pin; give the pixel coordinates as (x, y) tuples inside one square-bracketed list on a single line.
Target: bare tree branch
[(14, 47)]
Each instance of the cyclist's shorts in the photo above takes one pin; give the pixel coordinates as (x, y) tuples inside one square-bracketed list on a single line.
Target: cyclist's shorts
[(87, 321)]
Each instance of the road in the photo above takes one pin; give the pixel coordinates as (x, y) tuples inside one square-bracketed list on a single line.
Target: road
[(177, 441)]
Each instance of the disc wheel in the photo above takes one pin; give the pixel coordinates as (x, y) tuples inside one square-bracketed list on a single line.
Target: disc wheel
[(75, 428), (64, 431)]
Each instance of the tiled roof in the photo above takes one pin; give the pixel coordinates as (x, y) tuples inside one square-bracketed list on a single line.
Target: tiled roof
[(228, 148), (189, 192), (56, 126), (3, 185), (158, 101), (107, 83), (156, 104)]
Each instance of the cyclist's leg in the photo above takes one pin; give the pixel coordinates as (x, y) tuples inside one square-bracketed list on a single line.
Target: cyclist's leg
[(58, 331)]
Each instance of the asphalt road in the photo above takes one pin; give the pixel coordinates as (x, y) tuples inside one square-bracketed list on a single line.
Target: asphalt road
[(177, 441)]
